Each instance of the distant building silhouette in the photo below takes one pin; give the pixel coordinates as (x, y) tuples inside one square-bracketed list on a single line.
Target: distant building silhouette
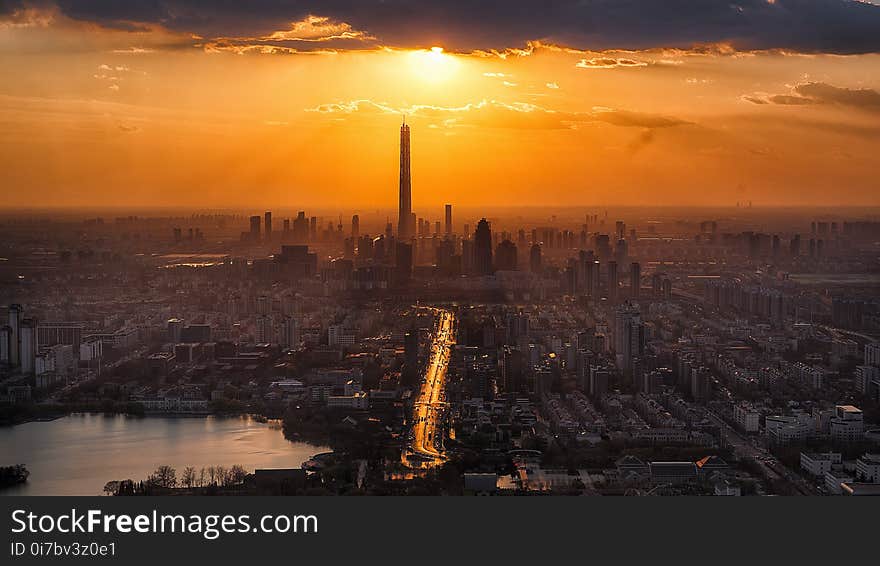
[(483, 248), (404, 216)]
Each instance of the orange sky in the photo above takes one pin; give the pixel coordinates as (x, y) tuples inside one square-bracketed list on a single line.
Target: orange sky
[(100, 117)]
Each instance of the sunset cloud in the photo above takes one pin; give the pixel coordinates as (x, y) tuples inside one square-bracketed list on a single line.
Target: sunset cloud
[(810, 26), (497, 114), (810, 93), (608, 63)]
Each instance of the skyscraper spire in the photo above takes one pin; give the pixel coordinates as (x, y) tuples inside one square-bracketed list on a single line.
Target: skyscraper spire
[(404, 217)]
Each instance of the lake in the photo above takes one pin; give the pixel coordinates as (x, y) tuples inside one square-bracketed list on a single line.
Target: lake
[(78, 454)]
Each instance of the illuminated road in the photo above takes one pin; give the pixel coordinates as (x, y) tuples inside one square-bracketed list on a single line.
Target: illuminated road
[(427, 430)]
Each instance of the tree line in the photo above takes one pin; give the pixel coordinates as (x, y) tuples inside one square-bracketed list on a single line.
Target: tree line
[(167, 478)]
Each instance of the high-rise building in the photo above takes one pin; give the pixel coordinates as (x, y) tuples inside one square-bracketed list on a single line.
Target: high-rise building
[(404, 215), (448, 219), (591, 270), (255, 229), (174, 330), (629, 336), (5, 335), (535, 258), (483, 248), (505, 256), (28, 353), (264, 330), (635, 279), (14, 335), (290, 333), (267, 225), (613, 281), (355, 226)]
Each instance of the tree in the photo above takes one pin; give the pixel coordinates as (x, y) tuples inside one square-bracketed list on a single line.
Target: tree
[(164, 476), (111, 487), (188, 479), (237, 475)]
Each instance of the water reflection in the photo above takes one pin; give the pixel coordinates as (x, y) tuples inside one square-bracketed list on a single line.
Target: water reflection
[(78, 454)]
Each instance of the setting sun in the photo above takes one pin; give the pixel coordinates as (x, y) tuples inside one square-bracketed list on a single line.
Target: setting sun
[(434, 65)]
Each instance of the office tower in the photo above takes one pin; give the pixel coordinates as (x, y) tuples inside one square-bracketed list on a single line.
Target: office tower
[(629, 336), (313, 229), (264, 330), (505, 256), (599, 378), (174, 330), (28, 345), (267, 225), (300, 228), (483, 248), (14, 335), (5, 339), (264, 305), (635, 279), (448, 219), (289, 333), (512, 369), (794, 245), (404, 214), (535, 258), (591, 268), (613, 282), (467, 256), (255, 229), (621, 252), (355, 227)]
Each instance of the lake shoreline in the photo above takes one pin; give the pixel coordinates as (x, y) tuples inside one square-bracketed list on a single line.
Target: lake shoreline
[(77, 454)]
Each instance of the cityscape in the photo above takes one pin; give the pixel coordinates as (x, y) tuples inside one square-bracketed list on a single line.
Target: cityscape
[(637, 312)]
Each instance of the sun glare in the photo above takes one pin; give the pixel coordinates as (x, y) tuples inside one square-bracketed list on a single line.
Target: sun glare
[(433, 65)]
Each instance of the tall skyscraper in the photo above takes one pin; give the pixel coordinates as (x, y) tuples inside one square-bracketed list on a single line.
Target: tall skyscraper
[(255, 228), (613, 282), (267, 225), (355, 226), (483, 248), (28, 345), (14, 335), (505, 256), (535, 258), (404, 216), (448, 219), (635, 279)]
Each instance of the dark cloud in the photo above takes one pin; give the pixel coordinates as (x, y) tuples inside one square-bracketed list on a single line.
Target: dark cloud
[(836, 26), (866, 99), (790, 100), (823, 93)]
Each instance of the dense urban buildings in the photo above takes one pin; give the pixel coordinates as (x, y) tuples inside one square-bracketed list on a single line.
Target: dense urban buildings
[(579, 351)]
